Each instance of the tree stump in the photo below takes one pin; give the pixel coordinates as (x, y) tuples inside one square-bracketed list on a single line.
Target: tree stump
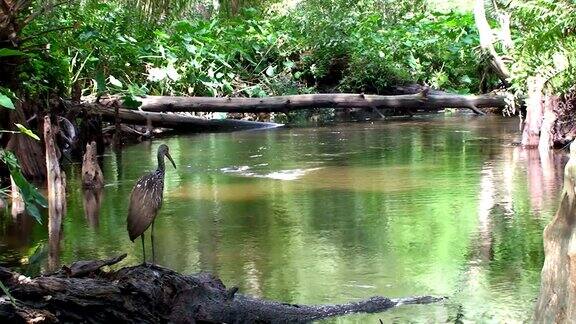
[(56, 183), (92, 177), (557, 299)]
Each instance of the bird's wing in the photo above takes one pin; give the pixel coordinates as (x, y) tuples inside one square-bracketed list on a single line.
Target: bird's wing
[(145, 201)]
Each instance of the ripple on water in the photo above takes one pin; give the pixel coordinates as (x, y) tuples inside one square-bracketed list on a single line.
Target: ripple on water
[(287, 175)]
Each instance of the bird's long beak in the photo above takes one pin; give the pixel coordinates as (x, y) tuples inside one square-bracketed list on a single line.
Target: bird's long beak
[(170, 158)]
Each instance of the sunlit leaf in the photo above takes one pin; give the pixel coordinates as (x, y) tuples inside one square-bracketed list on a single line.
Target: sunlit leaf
[(115, 82), (4, 52), (172, 73), (156, 74), (27, 132), (6, 102)]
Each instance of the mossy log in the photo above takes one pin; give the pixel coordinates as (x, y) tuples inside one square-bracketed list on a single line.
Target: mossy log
[(153, 294)]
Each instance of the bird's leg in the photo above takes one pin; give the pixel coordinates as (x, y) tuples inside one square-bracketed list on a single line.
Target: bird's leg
[(143, 250), (152, 238)]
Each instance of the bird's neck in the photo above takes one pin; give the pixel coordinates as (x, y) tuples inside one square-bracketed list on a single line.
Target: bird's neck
[(161, 165)]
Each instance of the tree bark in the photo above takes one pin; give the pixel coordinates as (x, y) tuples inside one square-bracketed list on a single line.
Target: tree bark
[(92, 176), (56, 183), (154, 108), (29, 152), (336, 100), (557, 299), (153, 294), (534, 112), (549, 119)]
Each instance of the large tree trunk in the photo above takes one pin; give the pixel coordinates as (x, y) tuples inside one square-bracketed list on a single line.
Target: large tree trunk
[(152, 294), (29, 151), (421, 101), (549, 119), (557, 299)]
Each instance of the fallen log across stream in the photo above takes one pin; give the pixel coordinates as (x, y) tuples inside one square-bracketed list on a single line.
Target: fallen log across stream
[(422, 101), (153, 294), (157, 110)]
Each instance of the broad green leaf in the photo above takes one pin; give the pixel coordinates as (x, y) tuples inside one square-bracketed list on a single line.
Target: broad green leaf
[(131, 102), (6, 102), (100, 82), (7, 293), (32, 198), (26, 131), (4, 52)]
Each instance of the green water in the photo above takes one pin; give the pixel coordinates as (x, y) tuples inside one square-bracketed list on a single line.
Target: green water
[(438, 205)]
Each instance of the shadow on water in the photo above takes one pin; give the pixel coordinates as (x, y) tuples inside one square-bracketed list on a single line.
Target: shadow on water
[(441, 206)]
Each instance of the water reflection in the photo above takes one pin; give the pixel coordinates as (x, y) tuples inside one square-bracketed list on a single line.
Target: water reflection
[(54, 237), (92, 200), (440, 206)]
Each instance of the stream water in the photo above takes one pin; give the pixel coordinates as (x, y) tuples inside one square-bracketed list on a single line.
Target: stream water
[(440, 205)]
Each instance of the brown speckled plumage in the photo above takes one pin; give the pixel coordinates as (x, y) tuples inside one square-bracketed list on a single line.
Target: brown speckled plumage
[(146, 200)]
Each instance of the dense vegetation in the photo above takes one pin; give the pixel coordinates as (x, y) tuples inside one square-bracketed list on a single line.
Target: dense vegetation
[(108, 47), (266, 48), (68, 49)]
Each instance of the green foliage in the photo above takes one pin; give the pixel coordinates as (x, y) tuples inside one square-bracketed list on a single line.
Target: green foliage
[(221, 57), (6, 102), (32, 198), (545, 43), (6, 52), (7, 293), (347, 46), (368, 51), (27, 132)]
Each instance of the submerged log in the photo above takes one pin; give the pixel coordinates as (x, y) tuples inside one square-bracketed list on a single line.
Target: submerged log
[(174, 121), (153, 294), (422, 100), (557, 299)]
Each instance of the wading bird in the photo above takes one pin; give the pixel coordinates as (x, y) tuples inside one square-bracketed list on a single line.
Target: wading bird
[(146, 200)]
